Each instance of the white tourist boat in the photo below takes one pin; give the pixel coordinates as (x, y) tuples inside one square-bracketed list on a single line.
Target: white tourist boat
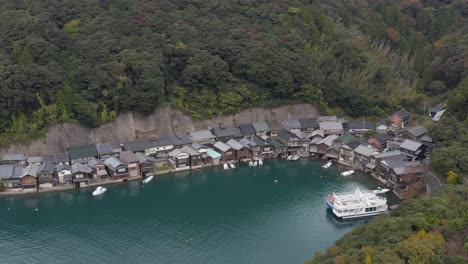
[(381, 191), (260, 162), (327, 165), (148, 179), (356, 204), (232, 165), (99, 190), (225, 166), (347, 173)]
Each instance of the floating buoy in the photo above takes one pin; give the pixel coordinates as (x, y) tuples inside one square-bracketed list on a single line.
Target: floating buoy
[(37, 209), (276, 181)]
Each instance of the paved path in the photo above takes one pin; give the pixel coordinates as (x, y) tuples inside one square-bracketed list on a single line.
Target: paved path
[(432, 182)]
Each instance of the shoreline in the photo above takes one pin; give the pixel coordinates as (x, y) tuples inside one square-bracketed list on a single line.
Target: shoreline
[(70, 187)]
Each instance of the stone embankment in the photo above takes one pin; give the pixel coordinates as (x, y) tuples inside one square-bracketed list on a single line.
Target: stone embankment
[(162, 122)]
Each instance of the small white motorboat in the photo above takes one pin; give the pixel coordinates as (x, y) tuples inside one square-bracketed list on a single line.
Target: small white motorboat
[(347, 173), (289, 157), (99, 190), (295, 157), (251, 163), (381, 191), (148, 179), (232, 165), (260, 162), (327, 165), (225, 166), (255, 163)]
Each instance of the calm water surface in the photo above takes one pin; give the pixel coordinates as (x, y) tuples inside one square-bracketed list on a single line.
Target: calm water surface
[(204, 216)]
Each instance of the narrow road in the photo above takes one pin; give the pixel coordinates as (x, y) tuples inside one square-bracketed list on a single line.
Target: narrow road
[(432, 182)]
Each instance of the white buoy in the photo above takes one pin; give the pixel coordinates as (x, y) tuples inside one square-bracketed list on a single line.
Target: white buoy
[(276, 181), (37, 209)]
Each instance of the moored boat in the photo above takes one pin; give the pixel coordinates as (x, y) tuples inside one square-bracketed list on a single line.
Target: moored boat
[(148, 179), (381, 191), (260, 162), (225, 166), (347, 173), (327, 165), (99, 190), (232, 165), (289, 157), (356, 204), (255, 163), (251, 163)]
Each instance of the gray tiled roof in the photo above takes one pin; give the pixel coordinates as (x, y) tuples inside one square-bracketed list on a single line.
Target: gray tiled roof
[(438, 115), (235, 144), (35, 159), (353, 145), (327, 125), (128, 157), (234, 132), (292, 124), (14, 157), (46, 168), (78, 167), (309, 123), (104, 149), (360, 125), (259, 141), (410, 145), (364, 150), (113, 163), (247, 129), (260, 126), (328, 140), (247, 142), (382, 137), (395, 163), (197, 146), (202, 135), (30, 170), (94, 162), (56, 158), (383, 155), (142, 145), (417, 131), (189, 150), (221, 146), (326, 118), (142, 157), (63, 167)]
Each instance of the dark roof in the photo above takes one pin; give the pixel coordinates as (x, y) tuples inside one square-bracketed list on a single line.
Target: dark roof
[(307, 123), (78, 167), (84, 151), (141, 145), (56, 158), (353, 145), (360, 125), (113, 163), (416, 131), (234, 132), (128, 157), (382, 137), (46, 168), (63, 167), (286, 135), (275, 143), (247, 129), (402, 113), (259, 141), (104, 149)]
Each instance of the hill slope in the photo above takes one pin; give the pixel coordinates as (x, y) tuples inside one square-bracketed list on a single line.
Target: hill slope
[(88, 60)]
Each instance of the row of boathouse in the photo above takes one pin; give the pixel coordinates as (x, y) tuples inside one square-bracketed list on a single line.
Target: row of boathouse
[(390, 150)]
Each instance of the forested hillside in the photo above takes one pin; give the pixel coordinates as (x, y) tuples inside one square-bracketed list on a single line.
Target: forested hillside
[(86, 61), (426, 230)]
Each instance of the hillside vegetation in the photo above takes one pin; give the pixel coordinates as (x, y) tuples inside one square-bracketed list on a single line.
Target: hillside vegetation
[(86, 61), (427, 230)]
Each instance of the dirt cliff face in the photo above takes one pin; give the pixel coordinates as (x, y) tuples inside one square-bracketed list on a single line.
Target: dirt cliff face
[(162, 122)]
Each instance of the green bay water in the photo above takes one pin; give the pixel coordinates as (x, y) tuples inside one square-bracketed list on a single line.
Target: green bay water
[(204, 216)]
